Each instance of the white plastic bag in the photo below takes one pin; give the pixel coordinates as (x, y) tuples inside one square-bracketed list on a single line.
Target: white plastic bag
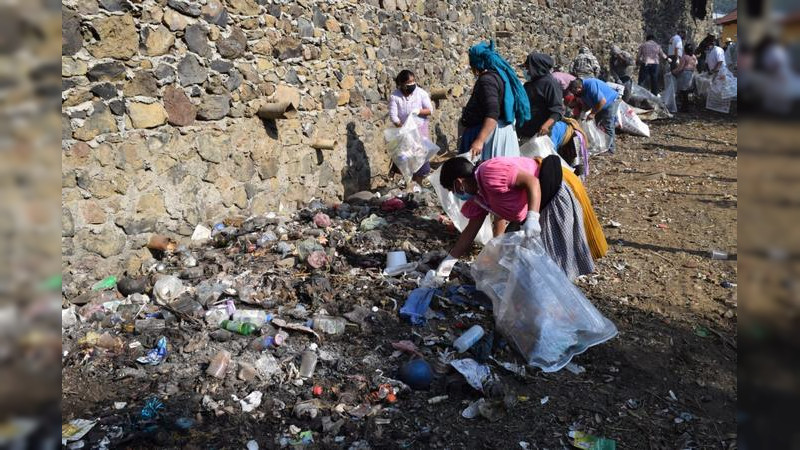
[(668, 96), (539, 146), (408, 149), (702, 83), (722, 90), (452, 207), (596, 138), (725, 84), (546, 318), (629, 122)]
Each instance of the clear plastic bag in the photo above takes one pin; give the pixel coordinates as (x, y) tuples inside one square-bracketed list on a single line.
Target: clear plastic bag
[(407, 147), (452, 207), (668, 96), (629, 122), (596, 138), (545, 317)]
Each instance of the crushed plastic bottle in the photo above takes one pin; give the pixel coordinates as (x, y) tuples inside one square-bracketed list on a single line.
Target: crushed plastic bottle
[(329, 324), (254, 316)]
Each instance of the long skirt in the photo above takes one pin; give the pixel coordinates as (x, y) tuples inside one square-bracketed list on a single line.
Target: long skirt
[(502, 142), (564, 235)]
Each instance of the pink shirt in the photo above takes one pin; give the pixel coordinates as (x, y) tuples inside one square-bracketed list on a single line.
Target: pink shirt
[(496, 178), (400, 107), (563, 78)]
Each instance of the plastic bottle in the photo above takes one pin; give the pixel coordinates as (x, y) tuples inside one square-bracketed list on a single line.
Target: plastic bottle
[(219, 364), (329, 325), (254, 316), (468, 339), (243, 328)]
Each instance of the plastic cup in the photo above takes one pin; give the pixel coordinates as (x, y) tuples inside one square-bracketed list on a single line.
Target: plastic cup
[(394, 259), (718, 254)]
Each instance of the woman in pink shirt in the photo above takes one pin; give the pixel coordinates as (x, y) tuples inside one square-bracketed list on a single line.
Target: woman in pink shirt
[(518, 189), (406, 100)]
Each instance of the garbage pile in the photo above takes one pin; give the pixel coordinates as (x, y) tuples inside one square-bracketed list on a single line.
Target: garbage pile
[(294, 322)]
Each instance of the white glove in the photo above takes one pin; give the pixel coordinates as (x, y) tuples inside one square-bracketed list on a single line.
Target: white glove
[(415, 111), (446, 266), (531, 225)]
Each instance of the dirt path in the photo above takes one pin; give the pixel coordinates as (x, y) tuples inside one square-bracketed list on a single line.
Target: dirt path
[(668, 380)]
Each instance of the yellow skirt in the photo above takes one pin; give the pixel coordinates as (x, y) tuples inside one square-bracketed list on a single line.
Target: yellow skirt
[(594, 232)]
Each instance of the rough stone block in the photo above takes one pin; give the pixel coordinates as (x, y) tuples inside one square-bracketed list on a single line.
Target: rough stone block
[(145, 115), (116, 37)]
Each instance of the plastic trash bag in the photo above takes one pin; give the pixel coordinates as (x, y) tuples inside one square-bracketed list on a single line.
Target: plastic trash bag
[(408, 149), (452, 207), (629, 122), (725, 84), (721, 92), (596, 138), (541, 147), (640, 97), (668, 96), (702, 83), (545, 317)]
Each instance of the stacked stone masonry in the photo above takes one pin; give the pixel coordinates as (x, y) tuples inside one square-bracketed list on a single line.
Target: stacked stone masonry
[(159, 99)]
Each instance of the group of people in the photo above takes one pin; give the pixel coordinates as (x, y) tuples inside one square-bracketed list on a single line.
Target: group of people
[(539, 194), (684, 61)]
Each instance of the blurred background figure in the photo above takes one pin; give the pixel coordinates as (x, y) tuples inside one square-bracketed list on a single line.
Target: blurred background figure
[(585, 65)]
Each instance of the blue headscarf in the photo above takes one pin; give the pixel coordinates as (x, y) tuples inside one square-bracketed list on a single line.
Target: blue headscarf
[(515, 101)]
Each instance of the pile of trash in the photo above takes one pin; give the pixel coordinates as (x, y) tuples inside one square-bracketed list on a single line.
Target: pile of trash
[(322, 324)]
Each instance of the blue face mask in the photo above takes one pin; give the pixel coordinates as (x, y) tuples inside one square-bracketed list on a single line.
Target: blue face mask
[(463, 196)]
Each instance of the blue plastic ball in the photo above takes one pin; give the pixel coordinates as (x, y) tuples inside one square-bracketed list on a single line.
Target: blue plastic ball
[(417, 373)]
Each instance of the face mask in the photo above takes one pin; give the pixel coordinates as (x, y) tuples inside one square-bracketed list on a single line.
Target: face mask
[(463, 196), (408, 89), (527, 76)]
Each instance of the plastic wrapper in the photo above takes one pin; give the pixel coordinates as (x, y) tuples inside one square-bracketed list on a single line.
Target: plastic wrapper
[(629, 121), (407, 147), (542, 314), (596, 138), (452, 207)]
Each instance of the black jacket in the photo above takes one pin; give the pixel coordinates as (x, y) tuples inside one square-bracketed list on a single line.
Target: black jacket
[(544, 93), (485, 100)]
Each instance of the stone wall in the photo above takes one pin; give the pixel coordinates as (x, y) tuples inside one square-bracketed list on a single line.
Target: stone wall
[(159, 99)]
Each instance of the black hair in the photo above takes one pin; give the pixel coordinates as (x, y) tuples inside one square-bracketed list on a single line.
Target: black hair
[(650, 37), (689, 49), (403, 77), (574, 85), (455, 168)]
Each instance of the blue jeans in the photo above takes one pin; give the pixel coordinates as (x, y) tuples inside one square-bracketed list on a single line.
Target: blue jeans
[(607, 118), (648, 77)]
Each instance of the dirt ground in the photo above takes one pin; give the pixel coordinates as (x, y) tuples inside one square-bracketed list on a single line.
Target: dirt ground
[(667, 381)]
